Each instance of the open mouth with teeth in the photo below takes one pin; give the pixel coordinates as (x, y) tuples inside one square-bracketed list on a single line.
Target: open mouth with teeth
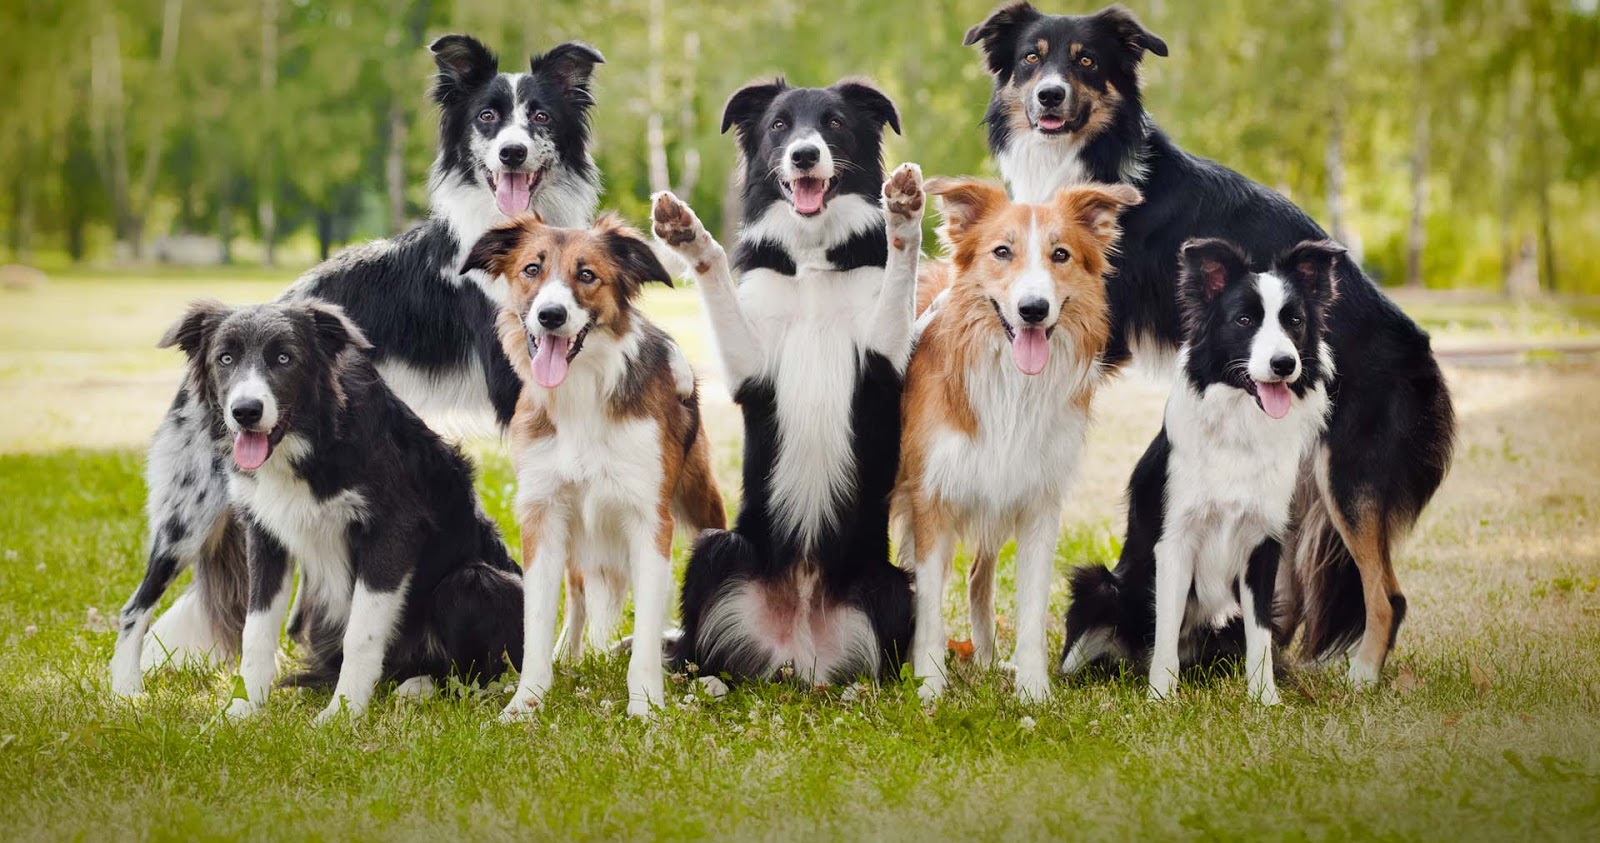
[(252, 447), (1271, 396), (551, 355), (513, 190), (810, 195), (1030, 346), (1053, 122)]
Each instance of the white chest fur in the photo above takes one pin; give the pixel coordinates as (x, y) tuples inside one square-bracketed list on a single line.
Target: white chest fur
[(1036, 166), (813, 331), (314, 531)]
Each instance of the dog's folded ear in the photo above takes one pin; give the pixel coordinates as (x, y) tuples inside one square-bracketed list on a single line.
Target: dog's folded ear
[(334, 332), (963, 202), (748, 104), (1311, 265), (998, 34), (1132, 32), (1098, 207), (191, 332), (636, 258), (1208, 266), (465, 65), (572, 66), (497, 245), (874, 103)]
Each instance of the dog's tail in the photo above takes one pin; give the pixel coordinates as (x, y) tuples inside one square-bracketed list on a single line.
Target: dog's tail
[(1095, 617), (697, 502)]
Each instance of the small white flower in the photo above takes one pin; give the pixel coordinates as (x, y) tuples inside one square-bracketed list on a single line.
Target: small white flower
[(30, 630), (688, 700), (605, 705), (851, 694), (1027, 723), (838, 721)]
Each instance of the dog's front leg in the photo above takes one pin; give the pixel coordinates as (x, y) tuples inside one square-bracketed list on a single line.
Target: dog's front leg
[(1255, 594), (932, 547), (743, 356), (1174, 576), (544, 554), (652, 585), (895, 315), (1036, 555), (375, 609), (269, 605)]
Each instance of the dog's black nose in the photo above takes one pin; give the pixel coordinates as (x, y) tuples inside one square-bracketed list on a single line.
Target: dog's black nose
[(1033, 310), (1283, 365), (513, 154), (247, 411), (552, 316), (805, 157), (1051, 96)]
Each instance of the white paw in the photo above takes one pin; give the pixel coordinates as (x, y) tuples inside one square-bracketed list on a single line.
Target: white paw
[(1163, 684), (524, 704), (336, 707), (1363, 675), (127, 687), (714, 687), (931, 689), (416, 688), (1267, 695), (1032, 688), (641, 707), (902, 202), (241, 709), (676, 225)]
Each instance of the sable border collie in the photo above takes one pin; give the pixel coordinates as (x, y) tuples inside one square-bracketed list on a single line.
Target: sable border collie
[(1208, 505), (507, 142), (1066, 108), (330, 470), (996, 406), (814, 343), (606, 440)]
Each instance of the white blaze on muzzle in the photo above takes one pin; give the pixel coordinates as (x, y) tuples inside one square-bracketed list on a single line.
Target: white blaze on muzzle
[(1030, 341), (253, 387), (808, 187), (556, 326), (1270, 343)]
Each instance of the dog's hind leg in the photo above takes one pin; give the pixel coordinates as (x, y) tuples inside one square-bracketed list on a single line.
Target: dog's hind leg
[(1036, 554), (980, 602), (477, 612), (1255, 595), (569, 645), (374, 618)]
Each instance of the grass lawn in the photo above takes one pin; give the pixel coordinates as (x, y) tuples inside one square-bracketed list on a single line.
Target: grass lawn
[(1488, 727)]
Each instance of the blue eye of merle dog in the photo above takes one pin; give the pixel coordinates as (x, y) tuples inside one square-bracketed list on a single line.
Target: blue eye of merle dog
[(225, 359), (488, 115), (283, 359)]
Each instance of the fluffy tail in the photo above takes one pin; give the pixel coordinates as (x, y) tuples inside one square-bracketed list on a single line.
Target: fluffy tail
[(1096, 617), (698, 502), (1329, 600)]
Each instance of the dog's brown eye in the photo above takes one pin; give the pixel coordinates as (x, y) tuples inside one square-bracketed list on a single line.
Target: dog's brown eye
[(779, 125), (488, 115), (835, 123), (587, 276), (531, 270), (1086, 61), (1060, 256), (1245, 321), (226, 359), (541, 117), (1002, 252), (1295, 321), (1031, 58)]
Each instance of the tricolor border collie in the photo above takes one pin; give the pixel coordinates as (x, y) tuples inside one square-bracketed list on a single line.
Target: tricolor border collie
[(1066, 108), (606, 440), (402, 577), (814, 343), (508, 142), (997, 406), (1208, 505)]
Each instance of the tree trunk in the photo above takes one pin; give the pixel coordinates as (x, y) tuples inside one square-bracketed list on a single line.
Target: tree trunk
[(1334, 159), (22, 217), (106, 85), (324, 233), (267, 187), (689, 175), (655, 135), (1417, 233)]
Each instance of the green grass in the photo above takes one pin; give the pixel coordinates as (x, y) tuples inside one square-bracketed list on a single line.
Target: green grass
[(1488, 726)]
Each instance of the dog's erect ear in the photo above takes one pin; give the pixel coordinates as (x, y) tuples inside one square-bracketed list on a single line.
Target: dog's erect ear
[(1098, 207), (1208, 266), (334, 332), (963, 203), (1311, 265), (1132, 33), (191, 332), (998, 33), (872, 102), (465, 65), (749, 103), (497, 245), (636, 260), (572, 66)]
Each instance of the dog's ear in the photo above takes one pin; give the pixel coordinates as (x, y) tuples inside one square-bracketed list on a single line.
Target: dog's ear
[(872, 102), (750, 102), (333, 331), (1131, 33), (1311, 264), (636, 259), (963, 203), (498, 244), (465, 65), (1208, 266), (998, 34), (1097, 207), (193, 331), (572, 66)]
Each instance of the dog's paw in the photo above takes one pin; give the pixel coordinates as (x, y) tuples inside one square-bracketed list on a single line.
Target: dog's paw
[(1163, 684), (641, 708), (1267, 696), (126, 687), (903, 201), (241, 709), (676, 225), (524, 705), (417, 688), (1032, 689), (337, 707), (931, 689), (1363, 675)]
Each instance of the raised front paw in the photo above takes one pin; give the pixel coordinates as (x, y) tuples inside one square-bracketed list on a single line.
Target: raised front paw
[(903, 200), (676, 225)]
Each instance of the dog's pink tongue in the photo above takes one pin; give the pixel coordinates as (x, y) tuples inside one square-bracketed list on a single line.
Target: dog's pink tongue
[(550, 365), (250, 449), (511, 192), (1031, 350), (1274, 398), (808, 195)]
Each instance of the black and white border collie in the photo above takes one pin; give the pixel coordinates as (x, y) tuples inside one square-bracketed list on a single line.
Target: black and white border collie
[(402, 575), (1066, 109), (508, 142), (814, 343), (1208, 505)]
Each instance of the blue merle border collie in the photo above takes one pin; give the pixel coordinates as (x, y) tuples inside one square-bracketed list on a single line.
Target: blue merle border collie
[(402, 575), (814, 343), (1066, 109), (508, 143), (1208, 505)]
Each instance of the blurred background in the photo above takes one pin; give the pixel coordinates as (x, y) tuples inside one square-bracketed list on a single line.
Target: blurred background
[(1452, 143)]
